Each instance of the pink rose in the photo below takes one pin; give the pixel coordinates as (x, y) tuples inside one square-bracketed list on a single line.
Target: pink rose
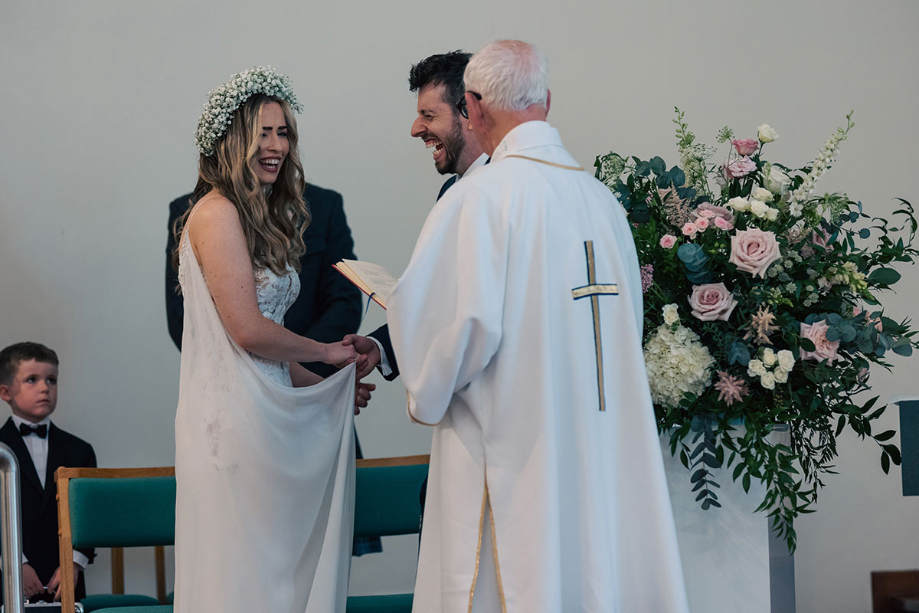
[(712, 301), (711, 211), (824, 350), (820, 238), (690, 229), (753, 251), (702, 223), (722, 224), (879, 326), (745, 146), (668, 241), (739, 168)]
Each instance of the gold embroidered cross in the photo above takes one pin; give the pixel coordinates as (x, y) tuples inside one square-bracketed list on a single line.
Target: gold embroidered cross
[(594, 291)]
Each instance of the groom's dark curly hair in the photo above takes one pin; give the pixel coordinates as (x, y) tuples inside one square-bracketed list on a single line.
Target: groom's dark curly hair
[(442, 69)]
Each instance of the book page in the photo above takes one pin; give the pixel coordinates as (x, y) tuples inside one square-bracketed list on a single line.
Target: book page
[(372, 279)]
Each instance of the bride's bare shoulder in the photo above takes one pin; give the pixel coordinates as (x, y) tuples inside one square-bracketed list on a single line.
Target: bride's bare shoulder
[(213, 209)]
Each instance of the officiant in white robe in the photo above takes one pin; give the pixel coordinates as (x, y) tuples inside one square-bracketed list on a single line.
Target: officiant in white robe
[(547, 490)]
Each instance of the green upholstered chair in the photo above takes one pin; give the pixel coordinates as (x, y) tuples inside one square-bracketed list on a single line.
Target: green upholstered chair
[(114, 507), (387, 503)]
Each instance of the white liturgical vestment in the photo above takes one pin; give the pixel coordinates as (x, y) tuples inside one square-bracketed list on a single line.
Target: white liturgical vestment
[(537, 501)]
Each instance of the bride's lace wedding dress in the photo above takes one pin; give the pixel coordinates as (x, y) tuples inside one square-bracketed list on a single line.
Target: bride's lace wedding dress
[(264, 471)]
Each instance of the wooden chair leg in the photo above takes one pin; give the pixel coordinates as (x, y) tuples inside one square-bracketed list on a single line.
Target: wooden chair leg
[(117, 570), (160, 553)]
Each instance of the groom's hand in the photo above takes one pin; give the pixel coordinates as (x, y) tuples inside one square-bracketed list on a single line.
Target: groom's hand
[(365, 347)]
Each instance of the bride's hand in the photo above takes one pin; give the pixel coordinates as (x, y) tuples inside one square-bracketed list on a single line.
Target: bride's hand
[(339, 354)]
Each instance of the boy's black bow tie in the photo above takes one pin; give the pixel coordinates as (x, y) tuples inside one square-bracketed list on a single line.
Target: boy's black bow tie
[(39, 431)]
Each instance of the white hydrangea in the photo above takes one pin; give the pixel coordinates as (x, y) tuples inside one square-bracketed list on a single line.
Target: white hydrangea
[(223, 101), (670, 314), (677, 363)]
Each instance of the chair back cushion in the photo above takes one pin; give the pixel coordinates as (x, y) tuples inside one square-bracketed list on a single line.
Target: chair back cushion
[(122, 512), (387, 500)]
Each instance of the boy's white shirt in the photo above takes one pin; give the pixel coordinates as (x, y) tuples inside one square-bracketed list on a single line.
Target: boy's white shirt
[(38, 449)]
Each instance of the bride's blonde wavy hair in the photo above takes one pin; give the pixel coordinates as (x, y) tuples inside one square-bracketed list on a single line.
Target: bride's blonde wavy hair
[(273, 218)]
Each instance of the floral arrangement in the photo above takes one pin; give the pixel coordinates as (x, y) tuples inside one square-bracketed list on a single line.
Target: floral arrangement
[(223, 102), (761, 312)]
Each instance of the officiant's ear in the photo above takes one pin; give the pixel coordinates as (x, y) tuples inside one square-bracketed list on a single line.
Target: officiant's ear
[(474, 107), (548, 100)]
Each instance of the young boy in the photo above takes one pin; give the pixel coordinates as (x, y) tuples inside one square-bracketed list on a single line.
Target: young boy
[(28, 383)]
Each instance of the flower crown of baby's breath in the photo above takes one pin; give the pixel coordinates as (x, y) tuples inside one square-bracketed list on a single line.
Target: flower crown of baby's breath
[(223, 102)]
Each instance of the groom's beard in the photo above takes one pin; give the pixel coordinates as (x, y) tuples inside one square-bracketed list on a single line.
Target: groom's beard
[(453, 148)]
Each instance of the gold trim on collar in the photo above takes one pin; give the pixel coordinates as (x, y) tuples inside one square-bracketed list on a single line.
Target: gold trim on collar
[(526, 157)]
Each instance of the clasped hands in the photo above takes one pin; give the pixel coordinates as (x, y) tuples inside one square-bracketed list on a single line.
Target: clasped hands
[(32, 586), (365, 354)]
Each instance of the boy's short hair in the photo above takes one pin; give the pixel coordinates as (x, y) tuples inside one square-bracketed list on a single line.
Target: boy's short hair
[(12, 356)]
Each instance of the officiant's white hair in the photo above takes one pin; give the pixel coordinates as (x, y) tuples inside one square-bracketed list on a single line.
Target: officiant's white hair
[(511, 75)]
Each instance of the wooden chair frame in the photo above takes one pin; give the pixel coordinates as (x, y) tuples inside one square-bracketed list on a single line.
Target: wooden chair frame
[(406, 460), (62, 478)]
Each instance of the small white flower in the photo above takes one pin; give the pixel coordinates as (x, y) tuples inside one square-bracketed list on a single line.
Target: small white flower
[(758, 208), (786, 360), (769, 358), (755, 368), (766, 133), (781, 376), (772, 214), (670, 314), (768, 381), (739, 204), (760, 193)]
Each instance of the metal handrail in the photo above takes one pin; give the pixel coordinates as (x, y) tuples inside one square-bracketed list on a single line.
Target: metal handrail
[(10, 532)]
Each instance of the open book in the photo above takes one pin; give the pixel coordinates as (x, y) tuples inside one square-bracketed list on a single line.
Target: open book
[(372, 279)]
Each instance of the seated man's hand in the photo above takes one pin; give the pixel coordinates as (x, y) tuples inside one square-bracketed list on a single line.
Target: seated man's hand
[(365, 347), (55, 584), (30, 582), (362, 395)]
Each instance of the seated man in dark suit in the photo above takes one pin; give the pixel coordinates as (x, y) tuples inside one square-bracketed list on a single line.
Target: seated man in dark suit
[(328, 307), (28, 383)]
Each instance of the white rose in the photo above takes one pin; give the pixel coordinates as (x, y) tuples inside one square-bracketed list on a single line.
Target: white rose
[(786, 360), (670, 314), (739, 204), (776, 181), (769, 358), (761, 193), (781, 376), (772, 214), (755, 368), (758, 208), (766, 134), (767, 381)]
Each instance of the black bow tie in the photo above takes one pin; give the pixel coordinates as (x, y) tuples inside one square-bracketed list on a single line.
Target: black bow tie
[(39, 431)]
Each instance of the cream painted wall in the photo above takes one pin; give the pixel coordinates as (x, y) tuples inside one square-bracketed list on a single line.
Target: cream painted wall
[(100, 98)]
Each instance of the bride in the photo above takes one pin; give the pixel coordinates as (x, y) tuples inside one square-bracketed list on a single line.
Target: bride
[(264, 456)]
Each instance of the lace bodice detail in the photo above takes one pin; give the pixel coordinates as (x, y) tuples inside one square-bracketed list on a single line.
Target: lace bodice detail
[(275, 294)]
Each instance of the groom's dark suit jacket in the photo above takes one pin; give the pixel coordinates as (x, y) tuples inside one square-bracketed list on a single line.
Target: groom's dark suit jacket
[(329, 306), (39, 505)]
